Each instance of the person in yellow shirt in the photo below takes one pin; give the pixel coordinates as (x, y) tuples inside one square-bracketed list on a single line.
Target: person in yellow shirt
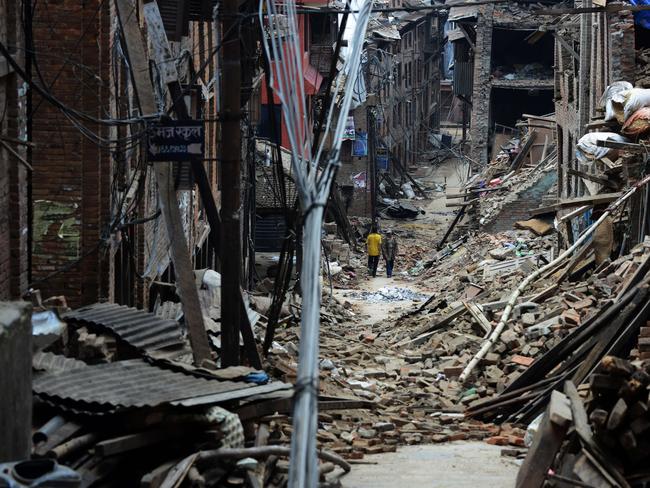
[(373, 243)]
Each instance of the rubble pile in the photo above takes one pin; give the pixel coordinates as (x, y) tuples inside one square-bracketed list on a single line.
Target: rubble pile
[(501, 183), (118, 399), (601, 441), (405, 370), (642, 68), (523, 72)]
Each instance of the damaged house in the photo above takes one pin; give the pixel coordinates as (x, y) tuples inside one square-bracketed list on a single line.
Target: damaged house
[(401, 111), (503, 68)]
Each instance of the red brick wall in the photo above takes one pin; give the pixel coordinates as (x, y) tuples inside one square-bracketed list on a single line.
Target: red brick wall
[(71, 183)]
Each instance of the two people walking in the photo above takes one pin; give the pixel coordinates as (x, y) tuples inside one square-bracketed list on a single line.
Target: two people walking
[(386, 246)]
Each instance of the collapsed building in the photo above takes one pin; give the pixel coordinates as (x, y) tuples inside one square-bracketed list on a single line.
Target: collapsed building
[(503, 68), (113, 380)]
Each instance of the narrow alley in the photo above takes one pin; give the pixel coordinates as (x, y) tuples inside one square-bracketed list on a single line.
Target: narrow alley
[(317, 244)]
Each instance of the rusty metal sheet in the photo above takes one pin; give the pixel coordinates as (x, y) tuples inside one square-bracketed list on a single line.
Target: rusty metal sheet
[(138, 328), (136, 383)]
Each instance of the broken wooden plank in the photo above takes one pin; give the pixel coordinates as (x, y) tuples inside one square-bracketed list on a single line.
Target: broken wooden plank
[(600, 179), (478, 315), (580, 419), (442, 321), (547, 209), (626, 146), (546, 443), (521, 156), (590, 199)]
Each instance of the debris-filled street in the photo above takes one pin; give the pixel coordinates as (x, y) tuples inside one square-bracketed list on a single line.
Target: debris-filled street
[(343, 244)]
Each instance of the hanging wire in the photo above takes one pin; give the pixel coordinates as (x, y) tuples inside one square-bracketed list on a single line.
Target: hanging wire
[(283, 50)]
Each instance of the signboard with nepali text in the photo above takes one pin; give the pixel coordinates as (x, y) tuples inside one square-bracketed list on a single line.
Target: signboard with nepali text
[(175, 140)]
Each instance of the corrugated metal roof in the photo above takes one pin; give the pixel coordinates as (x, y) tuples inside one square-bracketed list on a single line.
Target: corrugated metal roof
[(387, 32), (462, 13), (135, 383), (136, 327), (55, 363), (414, 16), (464, 79)]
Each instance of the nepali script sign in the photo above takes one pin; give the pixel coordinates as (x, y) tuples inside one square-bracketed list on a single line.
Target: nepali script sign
[(175, 140)]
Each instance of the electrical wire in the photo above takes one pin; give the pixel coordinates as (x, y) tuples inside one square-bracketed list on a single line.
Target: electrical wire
[(281, 45)]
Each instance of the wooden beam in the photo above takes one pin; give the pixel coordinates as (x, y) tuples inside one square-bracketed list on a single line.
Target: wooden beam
[(601, 123), (463, 28), (566, 46), (601, 180), (138, 60), (183, 268), (590, 199), (626, 146), (542, 210), (539, 117), (547, 441), (519, 159), (284, 405), (478, 315)]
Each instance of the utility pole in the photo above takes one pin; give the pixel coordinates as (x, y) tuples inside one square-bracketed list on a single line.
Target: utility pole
[(15, 380), (231, 254), (464, 111), (372, 159), (584, 110)]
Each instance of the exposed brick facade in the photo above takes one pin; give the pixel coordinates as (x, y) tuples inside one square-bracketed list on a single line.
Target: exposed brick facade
[(491, 20), (71, 182), (403, 83), (408, 86), (518, 205), (612, 54)]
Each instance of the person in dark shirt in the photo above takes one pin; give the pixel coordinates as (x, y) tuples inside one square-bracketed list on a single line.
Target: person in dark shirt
[(389, 251)]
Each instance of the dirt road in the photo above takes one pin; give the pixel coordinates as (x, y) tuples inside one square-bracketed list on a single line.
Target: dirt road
[(455, 465)]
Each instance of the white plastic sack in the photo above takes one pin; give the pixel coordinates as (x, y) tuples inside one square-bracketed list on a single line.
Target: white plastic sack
[(587, 151), (408, 190), (212, 279), (532, 429), (613, 101), (636, 98)]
